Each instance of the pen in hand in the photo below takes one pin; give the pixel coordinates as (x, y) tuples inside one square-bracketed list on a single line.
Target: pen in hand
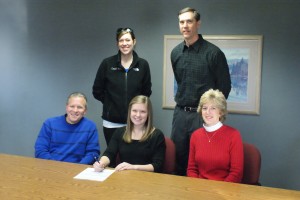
[(96, 159), (98, 168)]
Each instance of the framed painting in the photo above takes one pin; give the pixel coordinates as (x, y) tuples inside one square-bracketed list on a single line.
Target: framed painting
[(244, 58)]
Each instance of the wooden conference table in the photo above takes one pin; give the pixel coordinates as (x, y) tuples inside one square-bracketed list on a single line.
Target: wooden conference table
[(30, 178)]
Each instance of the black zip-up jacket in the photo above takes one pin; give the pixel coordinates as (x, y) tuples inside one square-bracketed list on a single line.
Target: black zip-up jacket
[(115, 87)]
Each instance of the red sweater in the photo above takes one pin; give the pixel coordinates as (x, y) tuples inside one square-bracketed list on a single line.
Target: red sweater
[(220, 159)]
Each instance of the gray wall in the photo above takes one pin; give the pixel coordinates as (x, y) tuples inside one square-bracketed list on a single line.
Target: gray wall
[(49, 48)]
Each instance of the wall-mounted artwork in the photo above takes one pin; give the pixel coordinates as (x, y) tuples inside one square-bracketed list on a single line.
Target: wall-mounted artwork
[(244, 58)]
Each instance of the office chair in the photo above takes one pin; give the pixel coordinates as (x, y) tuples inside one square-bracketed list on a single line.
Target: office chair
[(169, 165), (252, 164)]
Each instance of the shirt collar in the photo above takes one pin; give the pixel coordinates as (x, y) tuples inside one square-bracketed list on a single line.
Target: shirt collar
[(135, 57), (196, 45), (213, 128)]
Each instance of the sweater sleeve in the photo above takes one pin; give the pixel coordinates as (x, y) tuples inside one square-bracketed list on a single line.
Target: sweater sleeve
[(42, 144), (92, 148), (159, 152), (112, 149), (236, 159), (192, 169)]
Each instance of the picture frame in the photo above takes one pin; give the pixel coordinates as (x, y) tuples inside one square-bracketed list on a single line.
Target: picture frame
[(243, 53)]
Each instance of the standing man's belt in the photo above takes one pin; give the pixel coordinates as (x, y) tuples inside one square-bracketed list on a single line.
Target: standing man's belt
[(187, 108)]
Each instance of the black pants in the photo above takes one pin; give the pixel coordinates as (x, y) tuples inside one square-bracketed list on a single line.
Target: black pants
[(108, 133), (183, 125)]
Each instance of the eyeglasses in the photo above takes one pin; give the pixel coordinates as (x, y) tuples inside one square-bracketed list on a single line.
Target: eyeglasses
[(120, 30)]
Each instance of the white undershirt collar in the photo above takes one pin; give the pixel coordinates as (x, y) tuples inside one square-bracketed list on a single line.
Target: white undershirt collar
[(214, 127)]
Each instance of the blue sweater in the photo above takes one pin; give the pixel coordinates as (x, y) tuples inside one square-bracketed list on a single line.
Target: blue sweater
[(76, 143)]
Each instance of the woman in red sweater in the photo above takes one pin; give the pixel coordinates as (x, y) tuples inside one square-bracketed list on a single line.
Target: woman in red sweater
[(216, 150)]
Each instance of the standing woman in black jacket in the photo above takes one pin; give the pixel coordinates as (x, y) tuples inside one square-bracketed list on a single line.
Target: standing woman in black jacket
[(120, 78)]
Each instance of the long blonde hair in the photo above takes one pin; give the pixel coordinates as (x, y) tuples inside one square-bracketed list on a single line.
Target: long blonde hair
[(141, 99)]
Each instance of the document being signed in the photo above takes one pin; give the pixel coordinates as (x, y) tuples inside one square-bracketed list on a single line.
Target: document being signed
[(90, 174)]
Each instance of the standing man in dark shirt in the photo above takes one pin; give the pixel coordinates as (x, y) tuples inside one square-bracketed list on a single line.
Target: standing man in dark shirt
[(198, 66)]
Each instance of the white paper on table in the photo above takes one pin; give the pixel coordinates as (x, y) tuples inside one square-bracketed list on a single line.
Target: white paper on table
[(90, 174)]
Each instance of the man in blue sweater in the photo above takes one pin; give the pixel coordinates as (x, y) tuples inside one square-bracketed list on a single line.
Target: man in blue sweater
[(70, 137)]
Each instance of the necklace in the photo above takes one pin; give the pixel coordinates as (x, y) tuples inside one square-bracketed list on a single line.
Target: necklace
[(209, 138)]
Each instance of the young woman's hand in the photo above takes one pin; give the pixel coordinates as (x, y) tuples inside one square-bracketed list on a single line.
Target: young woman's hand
[(98, 166), (124, 166)]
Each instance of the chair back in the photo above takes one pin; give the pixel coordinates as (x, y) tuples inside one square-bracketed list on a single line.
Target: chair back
[(169, 165), (252, 164)]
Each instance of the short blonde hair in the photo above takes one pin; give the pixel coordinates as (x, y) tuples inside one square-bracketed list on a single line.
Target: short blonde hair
[(77, 94), (217, 98)]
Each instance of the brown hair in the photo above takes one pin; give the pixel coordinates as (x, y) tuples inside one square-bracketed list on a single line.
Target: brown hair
[(123, 31), (188, 9)]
